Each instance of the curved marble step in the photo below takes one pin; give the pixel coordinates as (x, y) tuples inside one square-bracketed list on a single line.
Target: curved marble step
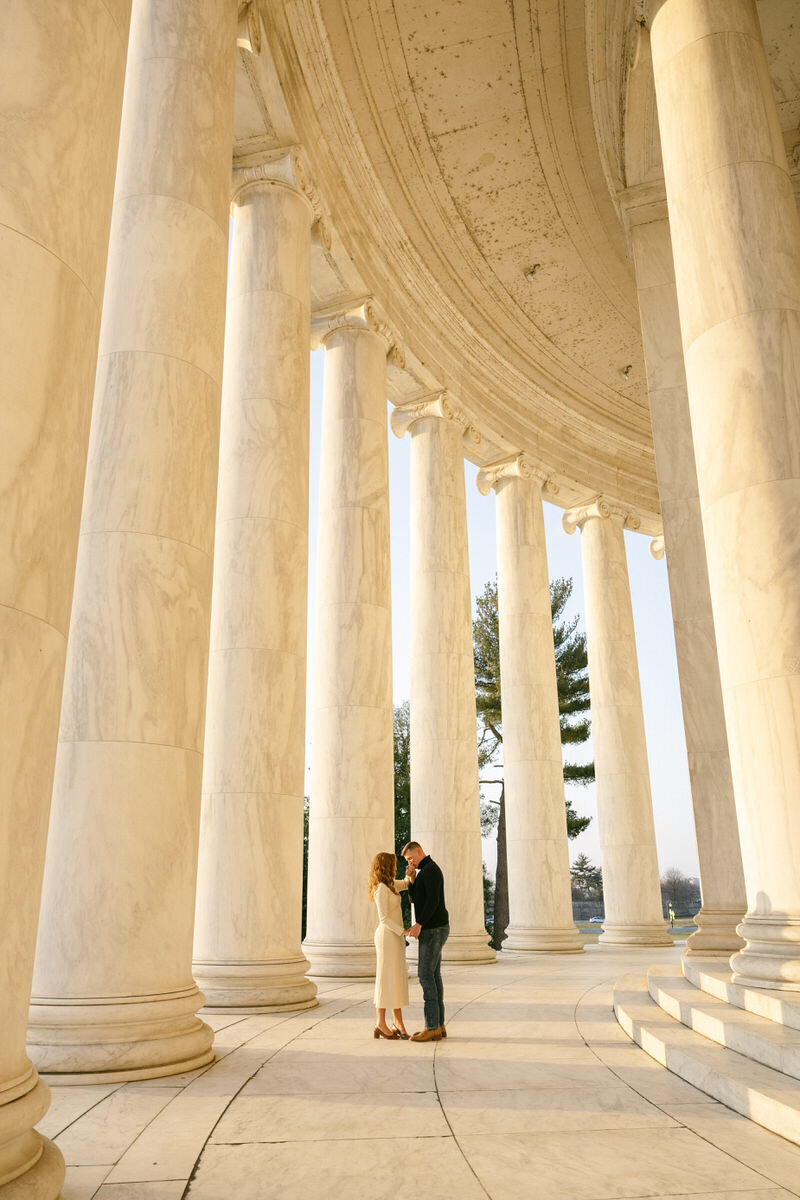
[(766, 1096), (754, 1036), (714, 977)]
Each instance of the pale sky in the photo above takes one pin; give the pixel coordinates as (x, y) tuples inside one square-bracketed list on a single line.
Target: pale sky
[(652, 617)]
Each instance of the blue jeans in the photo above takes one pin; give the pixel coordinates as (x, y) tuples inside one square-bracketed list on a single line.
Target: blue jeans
[(429, 969)]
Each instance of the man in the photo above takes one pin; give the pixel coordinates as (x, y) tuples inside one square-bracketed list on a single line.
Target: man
[(426, 891)]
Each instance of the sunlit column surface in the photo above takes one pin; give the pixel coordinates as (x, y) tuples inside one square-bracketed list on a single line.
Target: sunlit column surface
[(113, 989), (539, 884), (445, 804), (62, 69), (736, 244), (716, 827), (250, 875), (351, 787), (631, 887)]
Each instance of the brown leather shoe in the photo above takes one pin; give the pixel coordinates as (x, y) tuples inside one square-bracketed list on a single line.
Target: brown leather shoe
[(442, 1031), (426, 1035)]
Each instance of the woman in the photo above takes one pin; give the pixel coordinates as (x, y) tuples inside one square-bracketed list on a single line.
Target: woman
[(391, 975)]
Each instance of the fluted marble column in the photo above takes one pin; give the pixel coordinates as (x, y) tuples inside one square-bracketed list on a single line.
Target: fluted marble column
[(113, 992), (63, 68), (539, 884), (250, 874), (716, 827), (445, 801), (631, 887), (736, 244), (351, 791)]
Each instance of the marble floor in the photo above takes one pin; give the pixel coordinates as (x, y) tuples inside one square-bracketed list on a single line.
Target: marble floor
[(536, 1092)]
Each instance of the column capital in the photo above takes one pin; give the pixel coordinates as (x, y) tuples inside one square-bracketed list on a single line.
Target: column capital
[(438, 404), (657, 547), (285, 167), (599, 507), (248, 32), (360, 315), (516, 466)]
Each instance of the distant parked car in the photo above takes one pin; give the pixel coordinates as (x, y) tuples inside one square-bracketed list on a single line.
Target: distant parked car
[(595, 920)]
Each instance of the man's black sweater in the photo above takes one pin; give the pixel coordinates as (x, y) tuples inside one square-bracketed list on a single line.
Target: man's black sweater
[(427, 895)]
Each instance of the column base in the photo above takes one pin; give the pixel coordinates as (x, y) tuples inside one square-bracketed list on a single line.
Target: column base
[(635, 935), (264, 987), (460, 948), (540, 939), (31, 1167), (716, 935), (341, 960), (771, 955), (105, 1040)]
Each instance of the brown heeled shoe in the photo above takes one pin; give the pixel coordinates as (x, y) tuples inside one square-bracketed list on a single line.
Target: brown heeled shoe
[(378, 1033), (399, 1033)]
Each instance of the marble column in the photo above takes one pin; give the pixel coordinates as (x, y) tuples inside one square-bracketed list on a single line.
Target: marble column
[(250, 874), (63, 68), (716, 827), (736, 244), (351, 790), (631, 886), (539, 884), (445, 801), (113, 994)]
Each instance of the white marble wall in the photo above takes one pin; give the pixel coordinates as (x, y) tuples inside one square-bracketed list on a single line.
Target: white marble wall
[(736, 243), (631, 889), (249, 892), (115, 940), (351, 787), (716, 826), (445, 806), (62, 69), (539, 884)]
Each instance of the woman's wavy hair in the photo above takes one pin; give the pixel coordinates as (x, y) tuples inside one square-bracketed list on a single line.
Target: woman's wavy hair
[(382, 870)]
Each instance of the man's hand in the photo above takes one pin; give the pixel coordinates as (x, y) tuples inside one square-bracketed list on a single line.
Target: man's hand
[(411, 872), (414, 931)]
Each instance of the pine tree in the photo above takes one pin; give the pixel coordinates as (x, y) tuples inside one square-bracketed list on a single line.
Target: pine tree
[(402, 793), (587, 879), (572, 678)]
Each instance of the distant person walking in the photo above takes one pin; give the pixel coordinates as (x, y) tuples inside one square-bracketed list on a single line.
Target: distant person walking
[(671, 914), (432, 928)]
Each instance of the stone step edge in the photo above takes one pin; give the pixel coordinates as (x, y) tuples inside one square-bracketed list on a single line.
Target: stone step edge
[(766, 1097), (780, 1007), (748, 1034)]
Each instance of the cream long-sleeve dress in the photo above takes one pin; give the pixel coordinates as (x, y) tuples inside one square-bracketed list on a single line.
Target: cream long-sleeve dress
[(391, 973)]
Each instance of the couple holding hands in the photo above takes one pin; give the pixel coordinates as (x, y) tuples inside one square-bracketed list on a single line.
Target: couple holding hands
[(425, 884)]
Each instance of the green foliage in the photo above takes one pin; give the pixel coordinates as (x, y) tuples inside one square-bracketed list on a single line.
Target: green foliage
[(587, 879), (575, 824), (572, 677), (402, 776), (486, 651), (488, 903), (402, 793), (305, 863)]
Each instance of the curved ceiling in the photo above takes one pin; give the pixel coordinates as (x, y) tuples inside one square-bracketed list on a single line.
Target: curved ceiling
[(455, 145)]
